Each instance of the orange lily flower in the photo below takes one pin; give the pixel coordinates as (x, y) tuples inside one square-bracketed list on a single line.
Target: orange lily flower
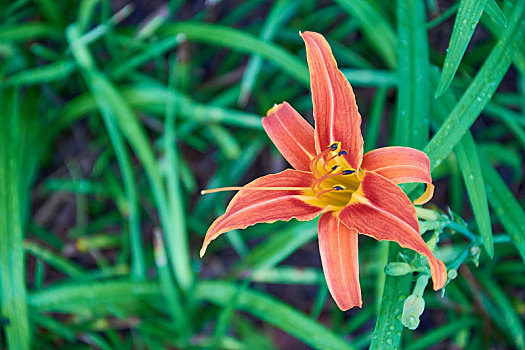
[(354, 193)]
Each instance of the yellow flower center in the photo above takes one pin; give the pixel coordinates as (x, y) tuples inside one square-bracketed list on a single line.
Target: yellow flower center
[(335, 181)]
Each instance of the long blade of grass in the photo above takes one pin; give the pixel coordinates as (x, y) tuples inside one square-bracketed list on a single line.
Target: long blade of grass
[(272, 311), (373, 124), (437, 335), (280, 12), (473, 178), (510, 321), (412, 129), (68, 297), (492, 9), (138, 264), (470, 167), (228, 37), (467, 19), (412, 122), (107, 96), (152, 98), (41, 75), (505, 205), (12, 267), (375, 27), (480, 90)]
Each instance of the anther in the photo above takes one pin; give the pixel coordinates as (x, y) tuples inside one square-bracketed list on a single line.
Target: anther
[(342, 152), (335, 167), (339, 188), (348, 172), (334, 146)]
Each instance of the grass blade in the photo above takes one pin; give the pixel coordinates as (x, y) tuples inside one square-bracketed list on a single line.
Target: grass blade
[(280, 12), (505, 205), (467, 19), (412, 123), (480, 90), (107, 96), (412, 129), (375, 27), (473, 178), (272, 311), (492, 9), (228, 37), (470, 168), (13, 129), (437, 335), (511, 322)]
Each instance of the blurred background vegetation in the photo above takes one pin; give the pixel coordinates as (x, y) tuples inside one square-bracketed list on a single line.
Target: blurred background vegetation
[(115, 114)]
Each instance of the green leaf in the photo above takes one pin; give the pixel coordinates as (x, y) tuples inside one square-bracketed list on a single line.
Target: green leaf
[(233, 38), (279, 246), (272, 311), (152, 98), (108, 98), (41, 75), (439, 334), (412, 122), (492, 9), (68, 297), (473, 178), (280, 12), (467, 19), (375, 27), (505, 205), (480, 90), (371, 77), (412, 129), (468, 162), (507, 318), (15, 131)]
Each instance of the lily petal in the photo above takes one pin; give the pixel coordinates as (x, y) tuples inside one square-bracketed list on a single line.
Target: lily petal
[(380, 209), (401, 165), (249, 207), (335, 109), (339, 255), (291, 134)]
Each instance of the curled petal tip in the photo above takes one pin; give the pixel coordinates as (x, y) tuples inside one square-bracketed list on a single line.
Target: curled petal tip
[(426, 196), (274, 108), (439, 277), (202, 251)]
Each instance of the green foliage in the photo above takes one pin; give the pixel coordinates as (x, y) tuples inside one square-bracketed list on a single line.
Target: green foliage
[(113, 120)]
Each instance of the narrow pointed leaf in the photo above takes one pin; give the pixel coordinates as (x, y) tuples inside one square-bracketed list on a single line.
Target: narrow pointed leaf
[(274, 312), (412, 123), (505, 205), (480, 90), (492, 9), (467, 19)]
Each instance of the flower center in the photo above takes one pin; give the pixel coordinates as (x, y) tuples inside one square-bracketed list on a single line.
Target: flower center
[(335, 181)]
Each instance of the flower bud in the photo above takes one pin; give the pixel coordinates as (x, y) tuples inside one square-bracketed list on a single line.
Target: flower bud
[(397, 269), (412, 308)]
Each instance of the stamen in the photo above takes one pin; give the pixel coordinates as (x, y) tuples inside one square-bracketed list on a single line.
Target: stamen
[(334, 188), (342, 152), (315, 161), (335, 146), (239, 188), (348, 172), (328, 175)]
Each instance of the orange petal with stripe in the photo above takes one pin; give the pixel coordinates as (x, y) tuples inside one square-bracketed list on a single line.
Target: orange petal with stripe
[(380, 209), (401, 165), (249, 207), (339, 256), (291, 134), (335, 109)]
